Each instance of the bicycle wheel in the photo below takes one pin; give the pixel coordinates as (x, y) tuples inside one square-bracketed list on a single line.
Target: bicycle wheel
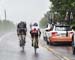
[(22, 42), (23, 48), (35, 45), (35, 49)]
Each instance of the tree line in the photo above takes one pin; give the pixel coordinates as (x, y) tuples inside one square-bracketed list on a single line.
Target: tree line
[(6, 25), (63, 8)]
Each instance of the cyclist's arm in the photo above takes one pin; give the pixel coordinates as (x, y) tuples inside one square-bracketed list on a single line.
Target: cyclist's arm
[(30, 32), (18, 29), (39, 32)]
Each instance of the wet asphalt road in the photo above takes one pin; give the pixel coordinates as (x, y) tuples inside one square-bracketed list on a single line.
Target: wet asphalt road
[(62, 50), (10, 50)]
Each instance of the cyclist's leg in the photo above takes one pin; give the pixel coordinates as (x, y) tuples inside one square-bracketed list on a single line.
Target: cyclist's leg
[(20, 40), (21, 37), (25, 36), (32, 41), (32, 38), (37, 40)]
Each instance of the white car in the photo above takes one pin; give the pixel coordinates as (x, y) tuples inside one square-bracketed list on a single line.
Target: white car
[(59, 33), (46, 32)]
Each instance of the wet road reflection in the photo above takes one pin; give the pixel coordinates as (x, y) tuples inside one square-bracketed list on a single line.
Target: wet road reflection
[(10, 50)]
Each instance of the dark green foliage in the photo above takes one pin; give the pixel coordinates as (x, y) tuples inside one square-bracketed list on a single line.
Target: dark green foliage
[(43, 22), (62, 6)]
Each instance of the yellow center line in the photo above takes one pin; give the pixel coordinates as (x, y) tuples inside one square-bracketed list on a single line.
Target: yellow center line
[(55, 53)]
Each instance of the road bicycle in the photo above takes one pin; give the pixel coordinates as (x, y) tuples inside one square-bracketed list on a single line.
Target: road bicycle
[(35, 44), (22, 40)]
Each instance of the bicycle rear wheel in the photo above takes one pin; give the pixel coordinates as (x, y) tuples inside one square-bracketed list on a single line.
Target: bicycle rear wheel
[(22, 42), (23, 48), (35, 49), (35, 45)]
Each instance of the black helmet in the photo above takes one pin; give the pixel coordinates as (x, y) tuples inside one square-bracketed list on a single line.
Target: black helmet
[(35, 24)]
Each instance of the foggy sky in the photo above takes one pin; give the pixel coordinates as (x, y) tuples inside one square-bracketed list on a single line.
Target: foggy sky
[(27, 10)]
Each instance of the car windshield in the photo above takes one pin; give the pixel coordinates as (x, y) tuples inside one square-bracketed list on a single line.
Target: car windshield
[(62, 28)]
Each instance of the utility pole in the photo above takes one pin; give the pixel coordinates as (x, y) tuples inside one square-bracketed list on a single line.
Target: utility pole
[(5, 14)]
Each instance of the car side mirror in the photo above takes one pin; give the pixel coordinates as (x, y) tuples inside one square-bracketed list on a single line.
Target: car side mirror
[(48, 30), (73, 27)]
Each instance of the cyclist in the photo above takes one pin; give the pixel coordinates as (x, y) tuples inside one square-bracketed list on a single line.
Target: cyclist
[(35, 32), (21, 29)]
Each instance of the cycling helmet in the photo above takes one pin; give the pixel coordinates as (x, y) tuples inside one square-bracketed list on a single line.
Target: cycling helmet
[(35, 24)]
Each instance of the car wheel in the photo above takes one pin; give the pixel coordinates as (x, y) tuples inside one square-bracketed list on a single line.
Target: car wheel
[(72, 40), (73, 50), (45, 38), (51, 43), (47, 42)]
